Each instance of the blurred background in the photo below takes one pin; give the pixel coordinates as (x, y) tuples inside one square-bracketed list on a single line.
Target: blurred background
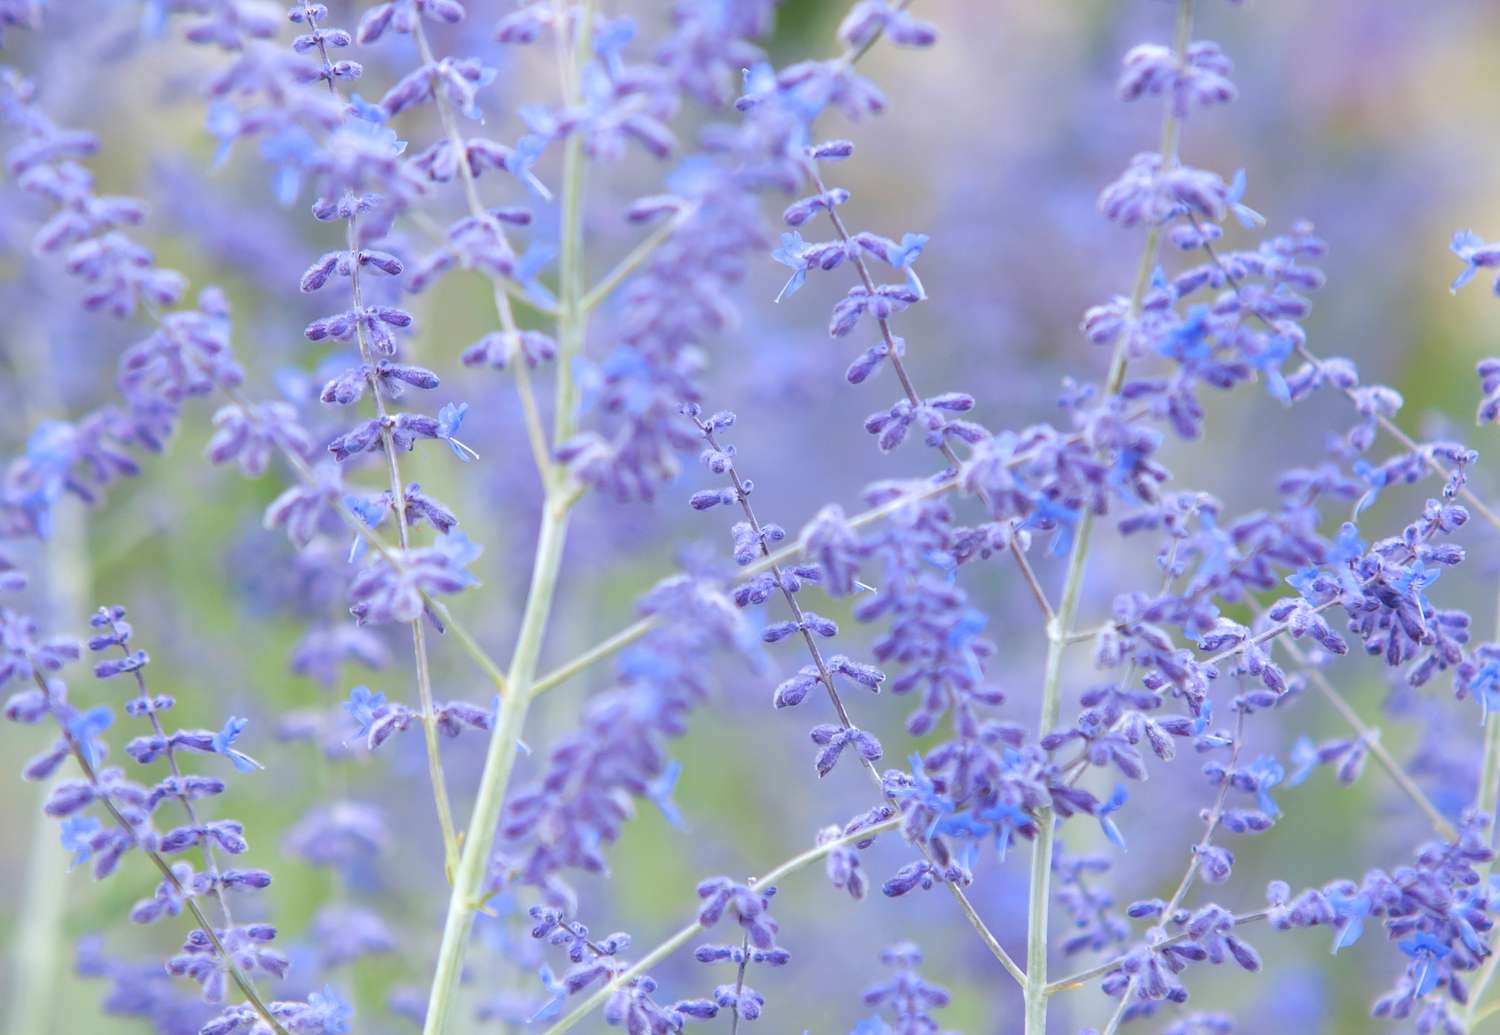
[(1375, 121)]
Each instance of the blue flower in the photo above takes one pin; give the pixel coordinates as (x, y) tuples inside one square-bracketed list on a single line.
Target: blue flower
[(1200, 728), (1352, 909), (1304, 756), (968, 831), (1266, 773), (1062, 518), (905, 257), (85, 728), (290, 151), (367, 122), (659, 792), (1414, 580), (522, 157), (1102, 814), (460, 550), (1277, 351), (77, 836), (610, 38), (537, 257), (1475, 253), (450, 419), (1006, 819), (225, 124), (925, 793), (372, 512), (362, 705), (50, 451), (557, 991), (1374, 477), (1189, 339), (1485, 686), (1426, 951), (1302, 581), (329, 1010), (223, 743), (1348, 547), (790, 254), (961, 635), (1248, 217)]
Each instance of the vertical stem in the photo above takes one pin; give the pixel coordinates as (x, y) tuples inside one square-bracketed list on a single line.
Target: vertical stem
[(1040, 893), (403, 532), (573, 320), (465, 899), (38, 938), (500, 759), (1489, 798)]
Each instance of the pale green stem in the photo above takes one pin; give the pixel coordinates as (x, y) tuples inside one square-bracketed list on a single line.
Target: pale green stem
[(467, 894), (501, 288), (38, 943), (1489, 797), (692, 930), (635, 260), (1040, 891), (1378, 751), (418, 633)]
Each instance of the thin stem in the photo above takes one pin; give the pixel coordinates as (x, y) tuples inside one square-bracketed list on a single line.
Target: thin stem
[(1489, 798), (1083, 977), (739, 982), (692, 930), (210, 857), (893, 356), (237, 975), (1040, 892), (637, 257), (598, 652), (466, 900), (1370, 735), (466, 897), (1387, 425), (391, 555), (403, 533), (500, 292), (41, 899), (742, 493), (574, 321)]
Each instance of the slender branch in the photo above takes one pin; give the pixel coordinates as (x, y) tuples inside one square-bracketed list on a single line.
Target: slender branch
[(742, 493), (435, 775), (1370, 735), (535, 435), (236, 974), (1489, 799), (465, 900), (1040, 894), (1387, 425), (418, 632), (637, 257), (513, 291), (1083, 977), (689, 932)]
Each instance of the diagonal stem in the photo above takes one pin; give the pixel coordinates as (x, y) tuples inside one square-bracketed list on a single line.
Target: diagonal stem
[(1040, 894), (692, 930)]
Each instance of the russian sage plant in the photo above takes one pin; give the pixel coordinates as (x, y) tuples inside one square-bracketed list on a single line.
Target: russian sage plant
[(593, 193)]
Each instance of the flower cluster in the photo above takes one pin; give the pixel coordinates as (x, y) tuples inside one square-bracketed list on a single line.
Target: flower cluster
[(1221, 626)]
